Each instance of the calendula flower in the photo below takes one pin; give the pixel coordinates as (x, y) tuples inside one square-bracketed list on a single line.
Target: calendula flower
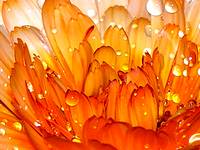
[(100, 74)]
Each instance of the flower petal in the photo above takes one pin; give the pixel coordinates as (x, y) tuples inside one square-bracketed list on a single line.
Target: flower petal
[(143, 108), (29, 13), (118, 40)]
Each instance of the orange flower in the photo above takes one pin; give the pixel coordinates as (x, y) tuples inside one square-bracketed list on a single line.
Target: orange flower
[(100, 75)]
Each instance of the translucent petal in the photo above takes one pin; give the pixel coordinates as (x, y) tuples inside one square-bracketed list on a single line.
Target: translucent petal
[(29, 13), (116, 15)]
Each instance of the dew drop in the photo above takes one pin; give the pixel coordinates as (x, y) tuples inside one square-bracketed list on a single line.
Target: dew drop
[(171, 6), (91, 13), (68, 126), (191, 104), (148, 30), (72, 98), (194, 138), (118, 53), (154, 7), (2, 131), (76, 139), (30, 87), (17, 126), (177, 71), (54, 31), (125, 67)]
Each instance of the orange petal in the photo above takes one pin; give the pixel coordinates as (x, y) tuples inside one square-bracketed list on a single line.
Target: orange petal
[(13, 135), (118, 40), (106, 54), (139, 29), (143, 108)]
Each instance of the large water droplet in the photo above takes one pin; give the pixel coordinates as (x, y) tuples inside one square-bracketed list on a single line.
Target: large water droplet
[(72, 98), (171, 6), (194, 138), (154, 7)]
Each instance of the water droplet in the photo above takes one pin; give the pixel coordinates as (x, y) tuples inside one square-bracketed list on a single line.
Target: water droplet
[(180, 107), (30, 87), (181, 34), (171, 55), (76, 139), (191, 104), (176, 98), (185, 73), (40, 96), (148, 30), (194, 138), (37, 124), (17, 126), (134, 26), (171, 6), (154, 7), (91, 13), (125, 67), (118, 53), (68, 126), (177, 71), (125, 38), (54, 31), (186, 61), (198, 71), (15, 148), (2, 131), (146, 146), (72, 98)]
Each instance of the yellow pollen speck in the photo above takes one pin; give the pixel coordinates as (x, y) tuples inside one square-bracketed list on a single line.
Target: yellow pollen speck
[(145, 113), (17, 126)]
